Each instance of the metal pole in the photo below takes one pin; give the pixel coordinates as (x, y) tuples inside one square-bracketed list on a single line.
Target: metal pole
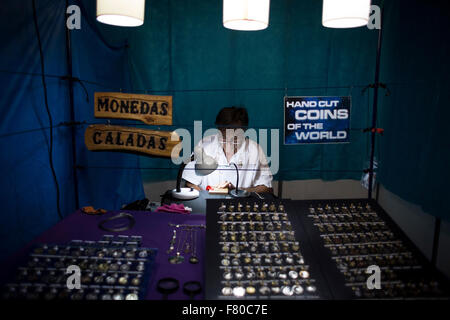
[(72, 113), (375, 103), (437, 232)]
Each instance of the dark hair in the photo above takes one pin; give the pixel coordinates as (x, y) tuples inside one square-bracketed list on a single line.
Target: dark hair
[(232, 117)]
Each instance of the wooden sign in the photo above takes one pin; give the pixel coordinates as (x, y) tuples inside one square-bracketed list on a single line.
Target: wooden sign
[(133, 140), (149, 109)]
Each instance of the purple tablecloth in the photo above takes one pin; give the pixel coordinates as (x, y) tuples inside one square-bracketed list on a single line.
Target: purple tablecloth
[(155, 231)]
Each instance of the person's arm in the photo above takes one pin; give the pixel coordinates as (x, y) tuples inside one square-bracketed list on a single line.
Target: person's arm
[(191, 185), (260, 189)]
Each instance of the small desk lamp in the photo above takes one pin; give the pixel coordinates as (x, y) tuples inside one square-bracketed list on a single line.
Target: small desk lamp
[(207, 166), (236, 192)]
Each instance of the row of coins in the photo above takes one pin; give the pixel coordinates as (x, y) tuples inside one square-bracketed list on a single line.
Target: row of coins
[(59, 276), (252, 217), (261, 273), (399, 289), (272, 288), (405, 259), (360, 275), (346, 218), (261, 259), (351, 227), (52, 293), (255, 207), (347, 238), (252, 236), (260, 247), (255, 226), (71, 251), (92, 264), (367, 249), (341, 208)]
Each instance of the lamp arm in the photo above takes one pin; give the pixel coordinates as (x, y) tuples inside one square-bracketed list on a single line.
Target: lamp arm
[(180, 174), (237, 177)]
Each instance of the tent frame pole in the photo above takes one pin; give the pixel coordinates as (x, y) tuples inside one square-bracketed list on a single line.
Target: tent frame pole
[(375, 105), (72, 112)]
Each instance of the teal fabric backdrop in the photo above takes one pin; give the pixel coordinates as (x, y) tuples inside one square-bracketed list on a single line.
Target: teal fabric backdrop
[(184, 50), (415, 151)]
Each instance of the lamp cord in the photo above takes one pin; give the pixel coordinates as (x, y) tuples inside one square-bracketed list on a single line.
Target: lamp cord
[(44, 84)]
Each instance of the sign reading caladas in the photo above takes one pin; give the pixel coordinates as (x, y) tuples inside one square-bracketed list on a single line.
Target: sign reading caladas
[(156, 110), (133, 140)]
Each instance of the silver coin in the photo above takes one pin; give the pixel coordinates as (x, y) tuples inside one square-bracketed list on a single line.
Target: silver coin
[(239, 292), (264, 290), (227, 275), (131, 296), (110, 280), (118, 296), (125, 267), (276, 290), (287, 291), (239, 275), (311, 288), (226, 291), (271, 274), (143, 254), (297, 289)]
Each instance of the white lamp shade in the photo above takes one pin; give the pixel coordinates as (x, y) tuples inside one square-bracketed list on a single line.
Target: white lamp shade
[(125, 13), (345, 13), (247, 15)]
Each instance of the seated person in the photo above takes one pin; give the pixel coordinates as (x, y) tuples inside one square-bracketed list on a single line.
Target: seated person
[(227, 147)]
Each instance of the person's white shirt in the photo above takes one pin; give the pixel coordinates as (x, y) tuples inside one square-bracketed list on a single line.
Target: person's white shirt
[(249, 158)]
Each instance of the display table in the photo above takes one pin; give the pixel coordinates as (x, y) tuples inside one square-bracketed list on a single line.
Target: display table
[(155, 231)]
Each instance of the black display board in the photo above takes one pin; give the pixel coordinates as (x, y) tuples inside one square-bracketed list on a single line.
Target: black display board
[(338, 239)]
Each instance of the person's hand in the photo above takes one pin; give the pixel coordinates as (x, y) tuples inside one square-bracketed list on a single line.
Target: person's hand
[(226, 184)]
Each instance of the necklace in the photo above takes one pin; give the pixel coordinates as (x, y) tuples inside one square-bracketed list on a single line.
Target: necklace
[(188, 245), (178, 258), (172, 241), (193, 259)]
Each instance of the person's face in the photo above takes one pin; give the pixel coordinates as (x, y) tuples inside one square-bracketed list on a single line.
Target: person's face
[(231, 136)]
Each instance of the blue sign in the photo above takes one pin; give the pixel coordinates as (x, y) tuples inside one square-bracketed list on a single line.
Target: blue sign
[(310, 120)]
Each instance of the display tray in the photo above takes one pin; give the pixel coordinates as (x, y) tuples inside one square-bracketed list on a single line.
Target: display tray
[(261, 250), (256, 249), (351, 235), (114, 268)]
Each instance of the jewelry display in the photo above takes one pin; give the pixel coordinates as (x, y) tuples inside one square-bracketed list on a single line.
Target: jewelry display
[(178, 258), (184, 240), (109, 271), (357, 234), (194, 259), (256, 242)]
